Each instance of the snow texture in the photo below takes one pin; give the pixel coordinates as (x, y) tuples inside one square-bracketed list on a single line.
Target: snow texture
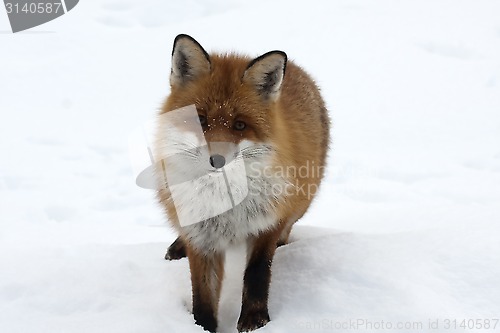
[(405, 229)]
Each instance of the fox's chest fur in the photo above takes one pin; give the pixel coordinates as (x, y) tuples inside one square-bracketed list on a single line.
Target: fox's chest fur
[(255, 214)]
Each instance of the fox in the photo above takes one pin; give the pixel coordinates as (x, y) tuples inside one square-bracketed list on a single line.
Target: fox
[(262, 119)]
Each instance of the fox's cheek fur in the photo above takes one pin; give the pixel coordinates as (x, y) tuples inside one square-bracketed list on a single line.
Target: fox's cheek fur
[(235, 179)]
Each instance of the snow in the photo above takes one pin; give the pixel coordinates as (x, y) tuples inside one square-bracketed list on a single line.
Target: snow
[(405, 229)]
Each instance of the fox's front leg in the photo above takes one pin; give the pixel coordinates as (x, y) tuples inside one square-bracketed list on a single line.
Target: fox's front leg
[(254, 310), (207, 272)]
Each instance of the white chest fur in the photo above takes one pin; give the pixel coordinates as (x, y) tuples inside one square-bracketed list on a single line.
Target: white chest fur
[(256, 213)]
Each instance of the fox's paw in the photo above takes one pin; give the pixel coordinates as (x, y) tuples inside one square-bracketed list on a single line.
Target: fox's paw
[(209, 323), (176, 250), (253, 320)]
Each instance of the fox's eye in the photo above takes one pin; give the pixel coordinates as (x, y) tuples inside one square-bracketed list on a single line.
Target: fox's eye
[(203, 120), (239, 125)]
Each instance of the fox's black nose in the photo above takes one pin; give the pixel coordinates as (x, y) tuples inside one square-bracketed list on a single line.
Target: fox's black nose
[(217, 161)]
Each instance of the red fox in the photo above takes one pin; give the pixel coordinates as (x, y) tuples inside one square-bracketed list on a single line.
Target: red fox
[(266, 114)]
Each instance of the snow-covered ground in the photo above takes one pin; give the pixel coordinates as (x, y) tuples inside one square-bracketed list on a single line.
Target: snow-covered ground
[(405, 230)]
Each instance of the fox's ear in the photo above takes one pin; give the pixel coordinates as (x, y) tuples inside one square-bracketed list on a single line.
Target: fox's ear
[(266, 73), (189, 60)]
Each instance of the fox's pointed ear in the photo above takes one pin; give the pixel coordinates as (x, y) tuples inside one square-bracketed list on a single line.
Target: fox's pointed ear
[(266, 73), (189, 60)]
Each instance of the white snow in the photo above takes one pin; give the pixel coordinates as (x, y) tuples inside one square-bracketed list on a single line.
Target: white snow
[(406, 228)]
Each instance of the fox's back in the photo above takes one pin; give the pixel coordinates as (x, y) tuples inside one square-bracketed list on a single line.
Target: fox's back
[(303, 117)]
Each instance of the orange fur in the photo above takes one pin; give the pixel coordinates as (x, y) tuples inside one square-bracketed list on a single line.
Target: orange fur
[(296, 123)]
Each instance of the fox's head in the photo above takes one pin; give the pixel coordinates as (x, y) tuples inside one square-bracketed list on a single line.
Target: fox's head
[(234, 96), (220, 116)]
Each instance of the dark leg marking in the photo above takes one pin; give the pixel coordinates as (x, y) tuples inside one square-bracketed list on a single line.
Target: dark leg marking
[(254, 309), (204, 315)]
